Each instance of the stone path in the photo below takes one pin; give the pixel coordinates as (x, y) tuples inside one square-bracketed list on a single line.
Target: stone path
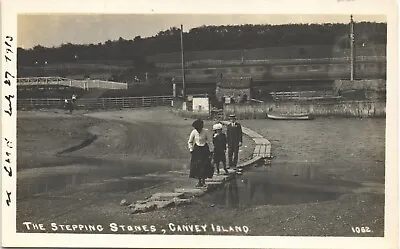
[(182, 196)]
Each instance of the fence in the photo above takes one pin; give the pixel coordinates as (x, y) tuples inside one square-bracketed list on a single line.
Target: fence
[(316, 108), (303, 95), (97, 103), (85, 84)]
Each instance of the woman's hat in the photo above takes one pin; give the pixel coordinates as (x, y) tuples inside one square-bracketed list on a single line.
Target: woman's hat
[(198, 124), (217, 127)]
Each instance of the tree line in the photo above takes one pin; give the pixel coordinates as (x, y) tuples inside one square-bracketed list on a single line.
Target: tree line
[(226, 37)]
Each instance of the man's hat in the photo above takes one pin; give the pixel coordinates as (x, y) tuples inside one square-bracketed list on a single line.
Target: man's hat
[(232, 116)]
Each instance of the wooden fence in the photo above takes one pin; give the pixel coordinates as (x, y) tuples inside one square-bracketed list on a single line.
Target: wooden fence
[(97, 103), (303, 95)]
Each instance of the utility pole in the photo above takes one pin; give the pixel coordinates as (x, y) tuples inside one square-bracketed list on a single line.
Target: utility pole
[(183, 71), (352, 38)]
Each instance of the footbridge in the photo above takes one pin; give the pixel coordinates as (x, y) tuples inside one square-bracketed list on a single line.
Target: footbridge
[(60, 81)]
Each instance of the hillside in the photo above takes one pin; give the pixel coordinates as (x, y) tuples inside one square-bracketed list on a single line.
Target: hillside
[(207, 38)]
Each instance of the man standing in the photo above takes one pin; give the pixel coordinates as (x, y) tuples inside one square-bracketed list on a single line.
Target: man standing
[(234, 139)]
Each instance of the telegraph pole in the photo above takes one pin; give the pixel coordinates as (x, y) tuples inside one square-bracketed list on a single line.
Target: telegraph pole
[(183, 69), (352, 60)]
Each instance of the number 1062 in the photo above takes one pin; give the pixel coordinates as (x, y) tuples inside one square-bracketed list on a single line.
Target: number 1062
[(361, 229)]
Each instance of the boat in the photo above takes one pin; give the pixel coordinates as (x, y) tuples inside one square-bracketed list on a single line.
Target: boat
[(303, 116)]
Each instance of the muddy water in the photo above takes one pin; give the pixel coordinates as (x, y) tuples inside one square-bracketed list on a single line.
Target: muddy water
[(96, 183), (280, 184), (99, 177), (118, 157)]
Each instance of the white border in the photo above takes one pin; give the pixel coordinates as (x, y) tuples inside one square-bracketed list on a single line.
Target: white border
[(10, 8)]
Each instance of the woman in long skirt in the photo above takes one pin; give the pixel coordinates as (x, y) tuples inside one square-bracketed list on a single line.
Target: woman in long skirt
[(200, 163)]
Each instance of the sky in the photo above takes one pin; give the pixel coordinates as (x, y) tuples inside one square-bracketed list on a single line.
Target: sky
[(55, 29)]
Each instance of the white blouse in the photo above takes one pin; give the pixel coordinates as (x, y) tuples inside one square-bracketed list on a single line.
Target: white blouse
[(198, 138)]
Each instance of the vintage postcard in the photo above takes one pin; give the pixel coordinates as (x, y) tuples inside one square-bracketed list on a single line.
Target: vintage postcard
[(176, 124)]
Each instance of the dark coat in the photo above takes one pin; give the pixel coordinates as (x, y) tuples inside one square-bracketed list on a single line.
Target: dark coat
[(234, 135), (219, 141)]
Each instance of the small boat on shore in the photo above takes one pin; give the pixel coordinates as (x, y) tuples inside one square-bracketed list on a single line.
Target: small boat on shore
[(275, 116)]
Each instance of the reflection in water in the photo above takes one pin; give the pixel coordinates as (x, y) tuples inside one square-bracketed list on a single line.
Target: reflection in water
[(104, 181), (303, 171), (278, 185), (231, 194)]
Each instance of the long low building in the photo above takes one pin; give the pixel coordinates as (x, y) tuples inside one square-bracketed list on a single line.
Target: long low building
[(365, 68)]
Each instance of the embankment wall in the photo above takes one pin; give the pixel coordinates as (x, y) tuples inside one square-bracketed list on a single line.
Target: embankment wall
[(332, 108)]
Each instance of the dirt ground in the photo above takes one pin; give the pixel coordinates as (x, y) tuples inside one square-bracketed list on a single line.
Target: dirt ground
[(326, 175)]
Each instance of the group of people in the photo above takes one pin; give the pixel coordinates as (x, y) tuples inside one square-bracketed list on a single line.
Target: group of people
[(202, 159), (70, 104)]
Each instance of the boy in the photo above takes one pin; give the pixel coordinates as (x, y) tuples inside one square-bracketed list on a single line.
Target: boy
[(219, 141)]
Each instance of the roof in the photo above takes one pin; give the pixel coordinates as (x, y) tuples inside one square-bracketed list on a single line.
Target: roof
[(235, 82)]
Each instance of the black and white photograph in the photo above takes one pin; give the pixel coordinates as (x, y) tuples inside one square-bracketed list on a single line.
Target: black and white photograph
[(223, 126)]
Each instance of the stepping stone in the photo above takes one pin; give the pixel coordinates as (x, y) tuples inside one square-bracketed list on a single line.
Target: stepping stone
[(254, 135), (190, 192), (142, 208), (165, 196), (241, 165), (263, 149), (260, 140), (213, 185), (252, 161), (179, 201), (251, 133), (164, 204), (231, 171), (244, 165), (124, 203), (214, 181), (218, 178), (257, 149)]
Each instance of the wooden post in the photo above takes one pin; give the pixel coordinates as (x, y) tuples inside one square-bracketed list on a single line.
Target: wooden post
[(351, 48), (183, 71)]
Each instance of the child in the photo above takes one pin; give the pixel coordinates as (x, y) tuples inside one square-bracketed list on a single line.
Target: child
[(219, 141)]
